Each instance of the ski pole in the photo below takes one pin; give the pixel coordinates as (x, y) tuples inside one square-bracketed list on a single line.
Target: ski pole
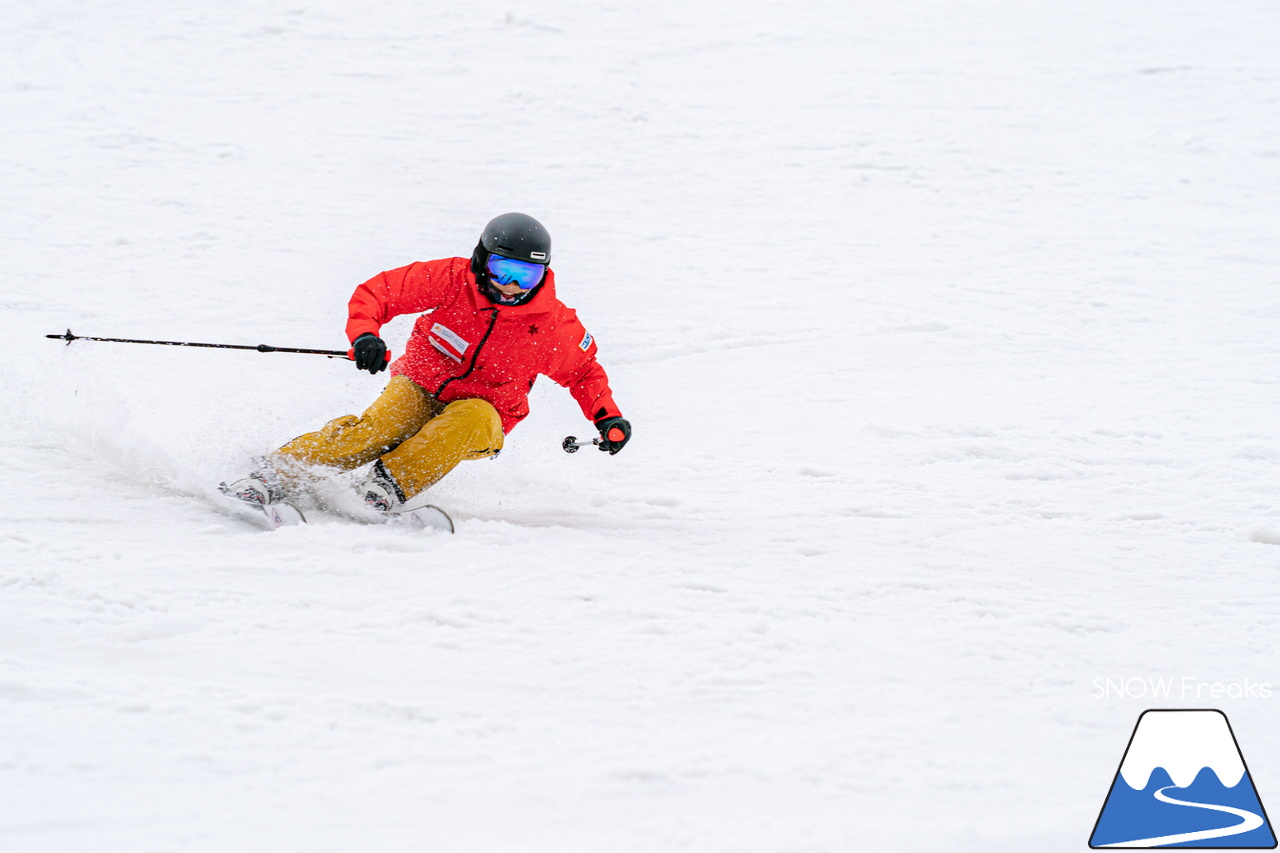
[(349, 354), (571, 444)]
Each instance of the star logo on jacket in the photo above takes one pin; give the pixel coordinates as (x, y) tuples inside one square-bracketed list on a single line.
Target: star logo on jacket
[(533, 330)]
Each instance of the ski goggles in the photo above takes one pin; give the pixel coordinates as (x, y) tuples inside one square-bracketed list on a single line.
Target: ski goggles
[(510, 271)]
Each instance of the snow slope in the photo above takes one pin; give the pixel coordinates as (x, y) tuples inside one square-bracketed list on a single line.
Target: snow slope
[(948, 330)]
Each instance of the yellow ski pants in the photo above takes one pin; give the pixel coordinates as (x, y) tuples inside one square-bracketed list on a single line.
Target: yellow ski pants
[(418, 438)]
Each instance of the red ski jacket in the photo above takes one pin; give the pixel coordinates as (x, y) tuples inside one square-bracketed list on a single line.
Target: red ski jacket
[(465, 346)]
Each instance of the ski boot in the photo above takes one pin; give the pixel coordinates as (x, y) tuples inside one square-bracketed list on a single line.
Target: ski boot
[(256, 488), (380, 492), (383, 496), (261, 492)]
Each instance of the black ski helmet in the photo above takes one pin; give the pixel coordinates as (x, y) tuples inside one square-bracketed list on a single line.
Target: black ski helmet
[(511, 235)]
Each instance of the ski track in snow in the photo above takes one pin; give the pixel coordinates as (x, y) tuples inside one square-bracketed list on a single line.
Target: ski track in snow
[(948, 335)]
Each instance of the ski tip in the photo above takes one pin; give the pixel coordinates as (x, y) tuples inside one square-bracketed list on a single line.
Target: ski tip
[(448, 519), (429, 516), (283, 515)]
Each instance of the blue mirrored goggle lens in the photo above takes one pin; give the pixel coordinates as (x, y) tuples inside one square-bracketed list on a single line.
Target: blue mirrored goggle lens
[(510, 271)]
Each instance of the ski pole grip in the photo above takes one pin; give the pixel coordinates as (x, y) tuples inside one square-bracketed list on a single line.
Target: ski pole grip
[(351, 355)]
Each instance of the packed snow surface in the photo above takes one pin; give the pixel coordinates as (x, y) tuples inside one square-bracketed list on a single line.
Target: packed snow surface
[(949, 335)]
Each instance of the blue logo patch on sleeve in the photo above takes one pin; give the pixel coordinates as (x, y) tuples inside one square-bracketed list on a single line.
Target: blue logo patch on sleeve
[(586, 342)]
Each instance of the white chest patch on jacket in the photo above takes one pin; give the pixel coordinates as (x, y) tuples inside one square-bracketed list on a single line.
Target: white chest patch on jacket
[(450, 337), (443, 349)]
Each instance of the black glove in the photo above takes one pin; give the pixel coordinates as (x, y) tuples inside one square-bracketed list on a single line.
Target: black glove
[(614, 433), (370, 352)]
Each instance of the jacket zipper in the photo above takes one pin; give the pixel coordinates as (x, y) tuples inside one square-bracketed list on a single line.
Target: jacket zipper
[(475, 355)]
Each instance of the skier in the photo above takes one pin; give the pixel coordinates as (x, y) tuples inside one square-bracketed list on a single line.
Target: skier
[(489, 326)]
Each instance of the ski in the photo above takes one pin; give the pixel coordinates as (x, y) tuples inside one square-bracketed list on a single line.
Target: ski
[(427, 517), (275, 515), (280, 514)]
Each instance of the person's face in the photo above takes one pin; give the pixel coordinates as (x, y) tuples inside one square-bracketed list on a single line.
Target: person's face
[(506, 275), (508, 290)]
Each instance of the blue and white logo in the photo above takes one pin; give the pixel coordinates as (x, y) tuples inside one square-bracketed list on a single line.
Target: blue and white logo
[(1183, 783)]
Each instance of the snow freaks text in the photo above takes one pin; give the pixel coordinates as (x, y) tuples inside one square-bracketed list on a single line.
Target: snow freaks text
[(1186, 687)]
